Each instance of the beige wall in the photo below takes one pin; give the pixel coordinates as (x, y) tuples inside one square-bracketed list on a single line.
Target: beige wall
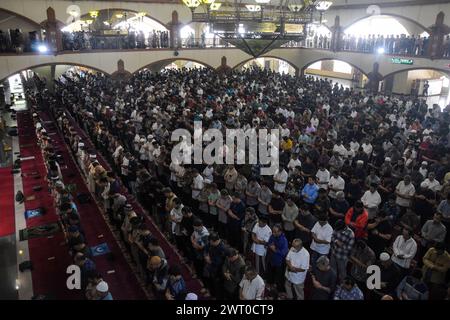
[(137, 59)]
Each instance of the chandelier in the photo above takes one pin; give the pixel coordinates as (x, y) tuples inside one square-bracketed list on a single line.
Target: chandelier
[(258, 26)]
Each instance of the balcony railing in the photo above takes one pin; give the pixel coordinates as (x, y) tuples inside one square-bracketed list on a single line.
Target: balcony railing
[(86, 41)]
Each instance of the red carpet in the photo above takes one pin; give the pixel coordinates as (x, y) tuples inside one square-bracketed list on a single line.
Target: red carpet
[(122, 282), (7, 219), (173, 257), (49, 276)]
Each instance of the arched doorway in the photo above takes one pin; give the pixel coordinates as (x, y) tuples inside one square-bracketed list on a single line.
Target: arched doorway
[(18, 33), (169, 64), (270, 63), (342, 72), (15, 85), (386, 34), (115, 29), (430, 84)]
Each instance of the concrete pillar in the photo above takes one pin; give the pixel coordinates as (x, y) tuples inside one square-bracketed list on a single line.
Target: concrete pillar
[(224, 68), (336, 35), (53, 34), (174, 29), (374, 79), (438, 32)]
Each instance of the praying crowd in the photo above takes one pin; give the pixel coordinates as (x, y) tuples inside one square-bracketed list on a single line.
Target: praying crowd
[(91, 280), (363, 180)]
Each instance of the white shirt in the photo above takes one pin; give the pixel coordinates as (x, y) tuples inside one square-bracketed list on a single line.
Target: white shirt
[(403, 189), (367, 148), (322, 233), (261, 234), (354, 146), (252, 290), (197, 183), (432, 185), (299, 260), (178, 215), (323, 177), (340, 149), (371, 200), (282, 176), (336, 183), (125, 163), (208, 173), (293, 164), (406, 248)]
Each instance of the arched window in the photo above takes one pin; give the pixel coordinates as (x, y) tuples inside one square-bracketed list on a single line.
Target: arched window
[(379, 25)]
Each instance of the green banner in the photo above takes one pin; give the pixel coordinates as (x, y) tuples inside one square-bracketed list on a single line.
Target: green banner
[(402, 61)]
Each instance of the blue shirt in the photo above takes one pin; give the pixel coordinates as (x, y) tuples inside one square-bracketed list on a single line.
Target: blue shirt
[(312, 191), (107, 297), (282, 249), (343, 294), (177, 289)]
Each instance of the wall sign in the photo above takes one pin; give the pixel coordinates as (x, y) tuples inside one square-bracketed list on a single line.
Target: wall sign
[(402, 61)]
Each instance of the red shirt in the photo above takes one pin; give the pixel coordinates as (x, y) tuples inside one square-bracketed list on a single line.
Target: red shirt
[(359, 225)]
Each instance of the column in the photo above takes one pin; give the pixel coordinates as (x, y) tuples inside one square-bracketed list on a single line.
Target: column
[(438, 32), (53, 34), (336, 35), (375, 78), (174, 30)]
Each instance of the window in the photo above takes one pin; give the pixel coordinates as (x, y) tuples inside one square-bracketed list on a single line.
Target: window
[(342, 67), (382, 25), (316, 65)]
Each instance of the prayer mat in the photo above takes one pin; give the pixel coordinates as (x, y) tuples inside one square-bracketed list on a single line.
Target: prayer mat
[(100, 249), (39, 231)]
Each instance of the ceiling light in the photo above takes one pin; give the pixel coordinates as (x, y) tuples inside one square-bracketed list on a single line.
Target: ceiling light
[(42, 48), (262, 1), (323, 5), (253, 7), (191, 4), (295, 7), (93, 14), (215, 6), (141, 14), (119, 15)]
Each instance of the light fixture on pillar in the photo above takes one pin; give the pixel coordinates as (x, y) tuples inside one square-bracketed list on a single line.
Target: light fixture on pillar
[(295, 7), (215, 6), (93, 14), (322, 6), (141, 14), (191, 4), (253, 7)]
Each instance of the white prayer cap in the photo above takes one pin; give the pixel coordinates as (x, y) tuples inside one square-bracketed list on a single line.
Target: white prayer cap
[(360, 162), (387, 159), (149, 137), (424, 163), (191, 296), (102, 286), (384, 256), (80, 144)]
